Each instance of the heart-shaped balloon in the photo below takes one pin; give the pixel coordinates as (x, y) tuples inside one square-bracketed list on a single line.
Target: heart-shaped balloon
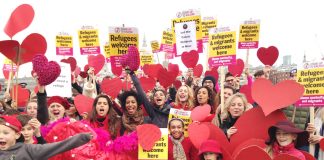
[(246, 90), (19, 19), (97, 62), (47, 72), (272, 97), (148, 134), (166, 78), (83, 103), (71, 61), (152, 69), (200, 113), (236, 69), (23, 95), (147, 83), (111, 87), (197, 71), (268, 56), (190, 59), (133, 58)]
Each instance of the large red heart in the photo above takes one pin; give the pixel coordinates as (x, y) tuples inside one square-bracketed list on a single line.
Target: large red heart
[(236, 69), (246, 90), (148, 134), (23, 95), (268, 56), (97, 62), (147, 83), (198, 133), (6, 74), (133, 58), (322, 144), (247, 143), (173, 68), (272, 97), (47, 72), (32, 45), (190, 59), (112, 87), (20, 19), (308, 156), (213, 72), (9, 49), (166, 78), (177, 84), (197, 71), (83, 103), (200, 113), (71, 61), (152, 69), (252, 153)]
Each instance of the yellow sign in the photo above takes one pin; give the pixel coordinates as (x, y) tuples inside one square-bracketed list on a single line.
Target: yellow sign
[(197, 19), (155, 46), (64, 41), (146, 59), (313, 81), (249, 36), (222, 44), (119, 43), (206, 25), (89, 41), (107, 51), (181, 114), (159, 151), (7, 61)]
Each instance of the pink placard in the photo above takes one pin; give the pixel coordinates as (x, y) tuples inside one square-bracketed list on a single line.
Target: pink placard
[(221, 61), (90, 50), (310, 101), (64, 51), (248, 45)]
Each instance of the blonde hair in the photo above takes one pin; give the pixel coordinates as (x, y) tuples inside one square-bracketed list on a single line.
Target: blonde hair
[(190, 101), (228, 102)]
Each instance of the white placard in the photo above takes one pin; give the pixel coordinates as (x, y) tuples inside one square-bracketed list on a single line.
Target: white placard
[(185, 37), (62, 85)]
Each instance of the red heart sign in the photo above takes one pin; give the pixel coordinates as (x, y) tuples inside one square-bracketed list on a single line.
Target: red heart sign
[(268, 56), (322, 144), (9, 49), (213, 72), (236, 69), (6, 74), (97, 62), (147, 83), (257, 154), (247, 143), (71, 61), (116, 70), (166, 78), (177, 84), (83, 103), (198, 133), (47, 72), (32, 45), (148, 134), (111, 87), (190, 59), (77, 71), (246, 90), (152, 69), (307, 155), (23, 95), (20, 19), (200, 113), (174, 68), (197, 71), (272, 97)]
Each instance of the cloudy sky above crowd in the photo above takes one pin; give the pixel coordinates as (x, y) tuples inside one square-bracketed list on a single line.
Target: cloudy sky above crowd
[(294, 27)]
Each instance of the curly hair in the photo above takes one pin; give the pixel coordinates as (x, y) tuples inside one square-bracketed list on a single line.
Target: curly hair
[(125, 95), (210, 98)]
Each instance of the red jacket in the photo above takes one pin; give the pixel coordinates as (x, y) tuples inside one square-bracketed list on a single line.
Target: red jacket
[(188, 147)]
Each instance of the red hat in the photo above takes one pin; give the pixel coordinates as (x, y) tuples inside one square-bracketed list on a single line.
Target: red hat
[(59, 100), (210, 146), (12, 122)]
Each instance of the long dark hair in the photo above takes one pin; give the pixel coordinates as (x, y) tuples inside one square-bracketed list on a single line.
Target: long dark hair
[(112, 115), (124, 96), (211, 96)]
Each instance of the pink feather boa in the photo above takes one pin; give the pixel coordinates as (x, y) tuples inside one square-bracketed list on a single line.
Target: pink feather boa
[(47, 128), (123, 144)]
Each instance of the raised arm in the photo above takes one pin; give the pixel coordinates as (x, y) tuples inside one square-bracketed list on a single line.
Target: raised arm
[(42, 110)]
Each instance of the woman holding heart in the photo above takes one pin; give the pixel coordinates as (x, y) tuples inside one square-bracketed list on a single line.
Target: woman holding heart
[(204, 95)]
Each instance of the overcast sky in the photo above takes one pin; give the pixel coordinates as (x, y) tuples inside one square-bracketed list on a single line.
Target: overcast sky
[(294, 27)]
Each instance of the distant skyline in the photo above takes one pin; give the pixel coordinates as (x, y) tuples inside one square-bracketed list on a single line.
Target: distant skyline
[(295, 29)]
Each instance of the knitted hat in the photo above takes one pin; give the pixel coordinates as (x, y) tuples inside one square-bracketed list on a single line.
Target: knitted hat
[(209, 78), (59, 100), (12, 122), (210, 146)]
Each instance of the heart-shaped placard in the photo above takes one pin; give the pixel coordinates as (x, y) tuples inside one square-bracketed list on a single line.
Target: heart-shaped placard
[(111, 87), (177, 84), (166, 78), (268, 56), (198, 133), (213, 72), (9, 49), (308, 156), (71, 61), (246, 90), (23, 95), (20, 19), (272, 97), (148, 134), (32, 45), (83, 103), (47, 72), (77, 71), (252, 153), (174, 68), (133, 58), (197, 71), (97, 62), (200, 113), (147, 83), (152, 69), (7, 73), (190, 59), (236, 69), (247, 143)]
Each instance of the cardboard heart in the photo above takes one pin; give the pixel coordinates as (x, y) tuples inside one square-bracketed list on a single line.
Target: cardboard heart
[(322, 144), (236, 69), (272, 97), (200, 113), (174, 68), (123, 60), (251, 142), (83, 103), (148, 134), (9, 49), (268, 56), (147, 83), (197, 71), (7, 73), (111, 87), (190, 59), (198, 133), (177, 84), (32, 45), (23, 95), (152, 69), (166, 78), (213, 72), (218, 134), (308, 156), (252, 153), (285, 157), (246, 90), (47, 72), (97, 62), (71, 61), (77, 71), (133, 58), (19, 19)]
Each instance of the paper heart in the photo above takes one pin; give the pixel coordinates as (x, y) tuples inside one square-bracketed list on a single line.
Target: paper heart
[(174, 68), (308, 156), (97, 62), (152, 69), (147, 83), (166, 78), (117, 71), (71, 61), (177, 84), (272, 97), (236, 69), (190, 59), (133, 58), (251, 142), (19, 19), (7, 73), (9, 49), (198, 133), (148, 134), (213, 72), (252, 153), (47, 72), (200, 113), (246, 90), (123, 60), (268, 56), (111, 87), (322, 144), (23, 95), (77, 71), (83, 103), (218, 135), (197, 71), (32, 45)]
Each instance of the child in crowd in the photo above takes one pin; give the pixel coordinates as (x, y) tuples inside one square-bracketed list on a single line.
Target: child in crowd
[(210, 150), (31, 129)]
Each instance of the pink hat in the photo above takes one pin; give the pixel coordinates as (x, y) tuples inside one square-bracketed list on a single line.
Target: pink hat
[(12, 122), (210, 146)]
